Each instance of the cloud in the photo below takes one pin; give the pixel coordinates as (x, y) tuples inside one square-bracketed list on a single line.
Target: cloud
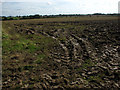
[(49, 3), (59, 6), (26, 0), (70, 0)]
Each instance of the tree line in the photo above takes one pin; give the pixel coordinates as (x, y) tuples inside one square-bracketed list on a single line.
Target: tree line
[(37, 16)]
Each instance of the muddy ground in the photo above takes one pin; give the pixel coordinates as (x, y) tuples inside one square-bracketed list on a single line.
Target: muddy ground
[(46, 55)]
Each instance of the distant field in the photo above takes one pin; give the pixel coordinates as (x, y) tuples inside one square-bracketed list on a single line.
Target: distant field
[(67, 19), (65, 52)]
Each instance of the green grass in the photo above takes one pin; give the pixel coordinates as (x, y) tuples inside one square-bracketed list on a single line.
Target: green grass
[(22, 43)]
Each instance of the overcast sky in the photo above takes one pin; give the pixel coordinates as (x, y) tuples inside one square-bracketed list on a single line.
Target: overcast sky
[(43, 7)]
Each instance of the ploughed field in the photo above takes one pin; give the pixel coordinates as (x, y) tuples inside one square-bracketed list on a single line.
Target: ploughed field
[(52, 53)]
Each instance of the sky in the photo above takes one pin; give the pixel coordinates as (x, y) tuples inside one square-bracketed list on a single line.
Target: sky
[(48, 7)]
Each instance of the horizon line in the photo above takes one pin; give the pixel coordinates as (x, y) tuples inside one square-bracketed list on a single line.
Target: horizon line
[(56, 14)]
